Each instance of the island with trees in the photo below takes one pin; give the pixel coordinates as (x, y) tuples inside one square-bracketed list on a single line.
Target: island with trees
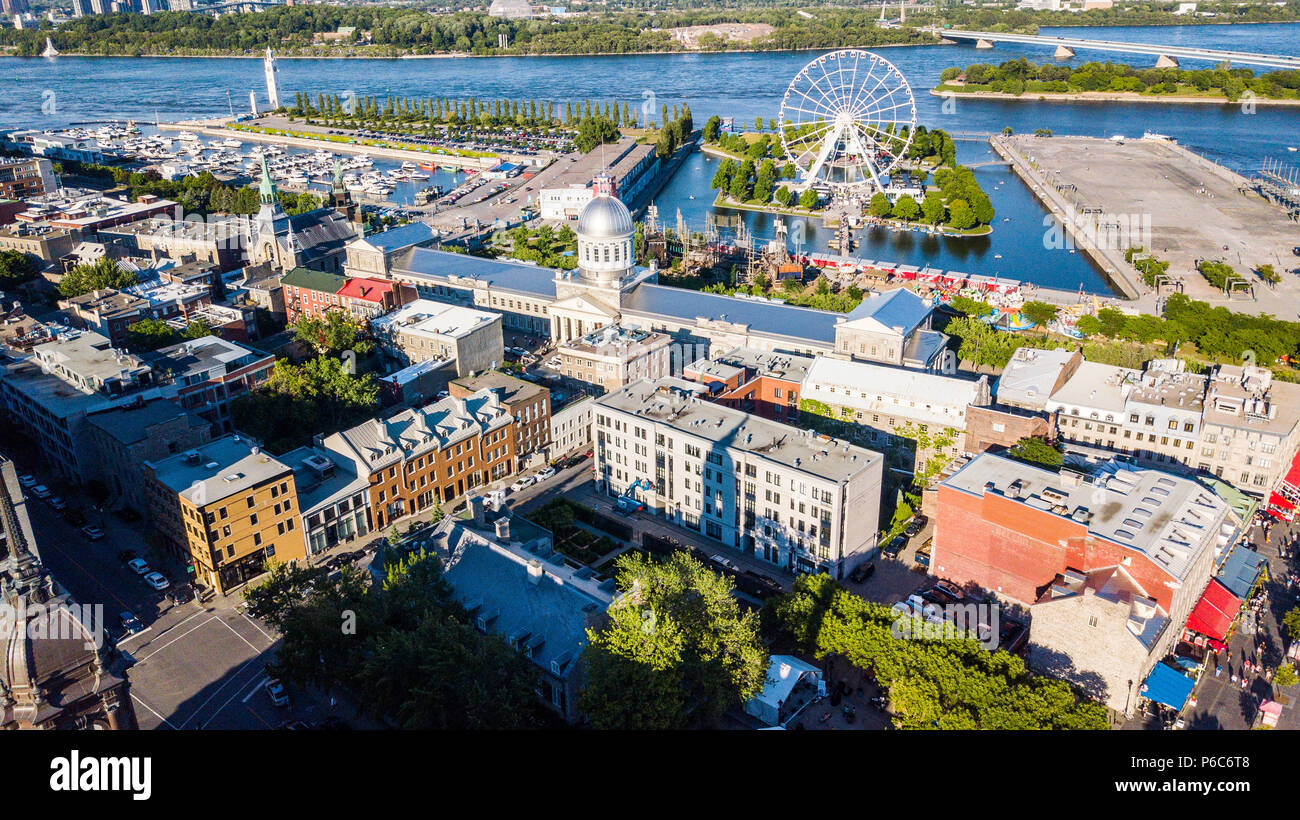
[(1117, 82)]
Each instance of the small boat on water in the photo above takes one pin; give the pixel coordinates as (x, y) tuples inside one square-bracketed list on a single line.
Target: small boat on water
[(1291, 148)]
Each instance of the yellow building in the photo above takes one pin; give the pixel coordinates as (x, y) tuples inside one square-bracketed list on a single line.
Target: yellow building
[(226, 507)]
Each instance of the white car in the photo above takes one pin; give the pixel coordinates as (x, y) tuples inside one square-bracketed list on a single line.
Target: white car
[(553, 362), (522, 483), (723, 561), (138, 565), (157, 580), (545, 474), (93, 533), (41, 491), (27, 480)]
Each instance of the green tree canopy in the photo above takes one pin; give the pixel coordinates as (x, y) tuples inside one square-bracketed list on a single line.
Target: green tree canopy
[(104, 273)]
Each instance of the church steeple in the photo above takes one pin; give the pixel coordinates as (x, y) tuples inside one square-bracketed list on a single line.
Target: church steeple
[(341, 198), (266, 188)]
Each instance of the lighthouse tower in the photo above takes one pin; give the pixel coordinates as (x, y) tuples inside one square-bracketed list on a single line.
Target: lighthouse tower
[(272, 84)]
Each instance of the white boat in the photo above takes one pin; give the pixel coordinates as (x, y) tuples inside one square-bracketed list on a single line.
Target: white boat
[(187, 136), (231, 142), (1291, 148), (50, 50)]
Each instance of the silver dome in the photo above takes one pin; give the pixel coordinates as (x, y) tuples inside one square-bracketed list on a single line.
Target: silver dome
[(605, 217)]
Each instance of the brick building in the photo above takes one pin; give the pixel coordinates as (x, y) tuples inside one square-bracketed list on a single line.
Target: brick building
[(528, 403)]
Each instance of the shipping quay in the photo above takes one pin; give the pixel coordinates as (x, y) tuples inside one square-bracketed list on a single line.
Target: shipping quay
[(218, 128), (1112, 194)]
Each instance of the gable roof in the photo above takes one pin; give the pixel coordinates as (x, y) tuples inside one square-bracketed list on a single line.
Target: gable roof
[(501, 274), (899, 309), (403, 236)]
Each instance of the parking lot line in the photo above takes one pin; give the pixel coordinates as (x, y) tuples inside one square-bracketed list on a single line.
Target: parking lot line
[(253, 691), (135, 635), (223, 706), (135, 698), (177, 638), (258, 628), (241, 637)]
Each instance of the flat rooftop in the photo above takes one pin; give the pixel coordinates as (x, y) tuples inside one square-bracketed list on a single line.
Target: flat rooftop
[(425, 317), (227, 466), (792, 447), (1169, 519), (787, 366), (616, 340), (1030, 376), (1102, 386)]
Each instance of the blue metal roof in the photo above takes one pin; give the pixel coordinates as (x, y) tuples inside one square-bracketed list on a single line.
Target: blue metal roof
[(498, 273), (1168, 686), (896, 308), (772, 318), (1240, 570), (402, 236)]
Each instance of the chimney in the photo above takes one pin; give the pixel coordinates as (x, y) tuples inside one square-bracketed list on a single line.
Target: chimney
[(503, 528), (535, 571), (476, 507)]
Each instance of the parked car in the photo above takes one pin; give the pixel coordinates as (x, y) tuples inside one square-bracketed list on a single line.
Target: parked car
[(93, 533), (553, 362), (548, 472), (41, 491), (723, 561), (494, 498), (950, 589), (277, 693), (27, 480), (862, 572), (895, 546), (922, 559), (58, 503), (522, 483), (917, 524), (157, 580), (129, 622), (138, 565)]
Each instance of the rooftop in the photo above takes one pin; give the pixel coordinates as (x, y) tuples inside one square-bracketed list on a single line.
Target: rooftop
[(787, 366), (899, 309), (322, 476), (1248, 398), (761, 315), (403, 236), (428, 318), (1169, 519), (891, 389), (307, 279), (217, 470), (816, 455), (442, 266), (1031, 375), (1100, 386), (616, 340), (369, 290), (132, 423), (200, 357), (512, 390)]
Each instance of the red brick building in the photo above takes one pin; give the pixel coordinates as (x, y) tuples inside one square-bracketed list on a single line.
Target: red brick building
[(367, 298), (755, 381), (311, 293)]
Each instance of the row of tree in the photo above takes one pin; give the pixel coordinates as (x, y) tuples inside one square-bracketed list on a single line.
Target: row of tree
[(1021, 76)]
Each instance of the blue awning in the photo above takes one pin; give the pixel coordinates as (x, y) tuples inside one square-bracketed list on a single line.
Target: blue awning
[(1240, 570), (1168, 686)]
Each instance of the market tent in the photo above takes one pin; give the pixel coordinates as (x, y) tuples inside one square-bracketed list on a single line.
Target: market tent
[(1167, 686), (1215, 612)]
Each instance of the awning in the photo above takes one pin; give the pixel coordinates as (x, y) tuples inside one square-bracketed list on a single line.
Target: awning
[(1240, 570), (1167, 686), (1215, 612)]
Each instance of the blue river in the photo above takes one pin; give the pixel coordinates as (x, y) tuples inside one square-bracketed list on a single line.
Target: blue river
[(50, 93)]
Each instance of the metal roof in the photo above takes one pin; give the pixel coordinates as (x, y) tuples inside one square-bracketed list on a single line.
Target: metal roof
[(768, 318), (500, 274)]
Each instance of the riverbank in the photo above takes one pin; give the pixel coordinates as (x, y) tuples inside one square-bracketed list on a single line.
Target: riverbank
[(1107, 97), (466, 55)]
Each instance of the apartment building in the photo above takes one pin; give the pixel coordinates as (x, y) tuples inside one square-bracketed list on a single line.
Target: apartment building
[(107, 312), (429, 455), (424, 330), (612, 356), (227, 508), (1250, 430), (1111, 565), (311, 293), (367, 299), (803, 502), (39, 241), (754, 380), (333, 500), (126, 437), (529, 404), (24, 177), (206, 375), (50, 391), (571, 426), (892, 404)]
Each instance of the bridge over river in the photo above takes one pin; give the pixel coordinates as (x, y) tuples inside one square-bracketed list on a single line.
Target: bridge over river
[(1167, 55)]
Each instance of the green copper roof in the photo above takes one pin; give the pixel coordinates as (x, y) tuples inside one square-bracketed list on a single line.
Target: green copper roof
[(266, 189)]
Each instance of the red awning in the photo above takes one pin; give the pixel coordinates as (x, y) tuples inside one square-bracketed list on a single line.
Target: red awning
[(1215, 612)]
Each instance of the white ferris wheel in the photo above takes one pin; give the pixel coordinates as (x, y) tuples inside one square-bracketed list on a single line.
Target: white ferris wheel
[(847, 121)]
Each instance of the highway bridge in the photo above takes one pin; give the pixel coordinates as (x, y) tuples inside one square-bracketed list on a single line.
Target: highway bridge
[(1167, 55)]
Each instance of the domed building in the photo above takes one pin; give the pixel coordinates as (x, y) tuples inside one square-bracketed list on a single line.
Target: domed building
[(592, 296)]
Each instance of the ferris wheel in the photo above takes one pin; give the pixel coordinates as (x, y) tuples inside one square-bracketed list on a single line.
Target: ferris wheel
[(847, 120)]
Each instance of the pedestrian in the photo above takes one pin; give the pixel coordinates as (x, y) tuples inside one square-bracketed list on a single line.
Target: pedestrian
[(1218, 670)]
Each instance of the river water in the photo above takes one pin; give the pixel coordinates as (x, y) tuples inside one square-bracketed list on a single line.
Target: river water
[(44, 93)]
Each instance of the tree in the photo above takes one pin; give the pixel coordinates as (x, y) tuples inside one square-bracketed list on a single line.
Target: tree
[(595, 131), (784, 196), (712, 129), (102, 274), (678, 651), (1291, 623), (15, 268), (880, 205), (148, 334), (906, 208), (1037, 451), (1040, 313), (330, 334), (960, 215), (808, 199), (931, 683), (1286, 675), (933, 208), (298, 401)]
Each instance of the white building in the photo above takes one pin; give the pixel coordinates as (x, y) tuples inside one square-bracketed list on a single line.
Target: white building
[(613, 356), (423, 330), (571, 426), (800, 501)]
